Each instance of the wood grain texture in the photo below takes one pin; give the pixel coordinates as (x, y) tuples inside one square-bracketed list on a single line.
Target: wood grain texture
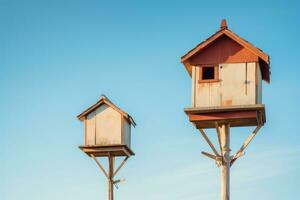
[(234, 85), (223, 50), (225, 166)]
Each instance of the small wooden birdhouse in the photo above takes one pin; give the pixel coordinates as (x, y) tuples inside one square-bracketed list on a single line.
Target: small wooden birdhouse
[(226, 70), (227, 73), (107, 129)]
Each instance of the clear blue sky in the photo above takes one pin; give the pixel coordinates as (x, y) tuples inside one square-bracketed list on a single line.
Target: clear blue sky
[(57, 58)]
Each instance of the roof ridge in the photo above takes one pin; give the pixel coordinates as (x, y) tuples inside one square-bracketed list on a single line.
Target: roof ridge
[(104, 99)]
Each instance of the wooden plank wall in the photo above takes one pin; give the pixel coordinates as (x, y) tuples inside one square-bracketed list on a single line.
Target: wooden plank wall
[(104, 127), (237, 86)]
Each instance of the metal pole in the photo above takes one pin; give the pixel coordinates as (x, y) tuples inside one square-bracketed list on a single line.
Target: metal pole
[(110, 179), (225, 165)]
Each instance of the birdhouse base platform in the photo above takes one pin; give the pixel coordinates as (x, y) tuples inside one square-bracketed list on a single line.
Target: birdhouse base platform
[(246, 115), (107, 150)]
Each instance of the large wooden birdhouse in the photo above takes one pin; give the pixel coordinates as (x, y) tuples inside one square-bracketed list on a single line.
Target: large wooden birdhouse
[(227, 73), (107, 129)]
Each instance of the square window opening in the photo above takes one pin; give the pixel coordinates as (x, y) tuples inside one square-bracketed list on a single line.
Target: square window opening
[(208, 73)]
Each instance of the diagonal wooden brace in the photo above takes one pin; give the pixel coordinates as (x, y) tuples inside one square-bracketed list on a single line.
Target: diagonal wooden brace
[(209, 142), (100, 166), (121, 165), (209, 155), (240, 152), (218, 159), (237, 156)]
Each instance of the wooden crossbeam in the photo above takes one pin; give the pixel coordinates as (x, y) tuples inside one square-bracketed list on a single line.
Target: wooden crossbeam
[(121, 165), (118, 181), (209, 142), (209, 155), (239, 153), (100, 166)]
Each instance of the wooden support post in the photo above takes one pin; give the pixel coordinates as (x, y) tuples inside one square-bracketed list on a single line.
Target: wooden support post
[(224, 132), (111, 173), (110, 179), (219, 136)]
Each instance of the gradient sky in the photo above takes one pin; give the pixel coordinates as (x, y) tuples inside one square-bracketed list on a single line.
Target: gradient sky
[(57, 58)]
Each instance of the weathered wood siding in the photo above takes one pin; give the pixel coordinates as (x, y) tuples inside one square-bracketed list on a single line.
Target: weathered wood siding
[(223, 50), (206, 94), (237, 86), (127, 133), (104, 126), (259, 85), (194, 86), (90, 129)]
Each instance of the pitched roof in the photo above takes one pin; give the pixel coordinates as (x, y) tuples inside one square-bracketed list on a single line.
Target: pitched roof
[(264, 58), (104, 100)]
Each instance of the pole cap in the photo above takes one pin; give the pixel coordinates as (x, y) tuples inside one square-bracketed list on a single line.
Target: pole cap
[(223, 24)]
